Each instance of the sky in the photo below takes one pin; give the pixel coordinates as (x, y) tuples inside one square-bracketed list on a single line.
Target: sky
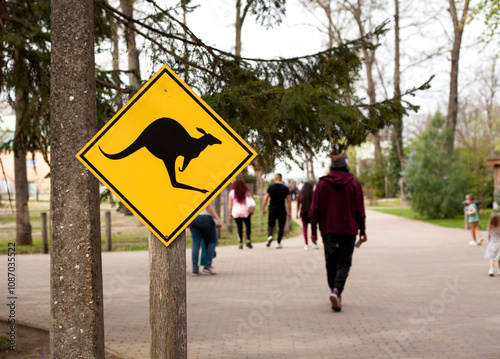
[(425, 27), (298, 35)]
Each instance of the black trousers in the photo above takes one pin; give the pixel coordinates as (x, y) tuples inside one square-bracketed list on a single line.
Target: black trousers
[(338, 256), (271, 222), (239, 224)]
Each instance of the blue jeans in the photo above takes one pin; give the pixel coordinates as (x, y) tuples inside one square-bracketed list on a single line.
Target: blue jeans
[(203, 229)]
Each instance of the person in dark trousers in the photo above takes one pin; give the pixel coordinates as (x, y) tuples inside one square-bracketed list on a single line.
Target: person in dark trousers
[(279, 194), (303, 205), (338, 209), (239, 210)]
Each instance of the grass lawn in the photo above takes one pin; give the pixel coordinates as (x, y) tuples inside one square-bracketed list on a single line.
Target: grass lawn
[(456, 222), (128, 233)]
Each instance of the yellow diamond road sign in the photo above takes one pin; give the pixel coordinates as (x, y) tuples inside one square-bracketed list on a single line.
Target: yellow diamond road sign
[(166, 155)]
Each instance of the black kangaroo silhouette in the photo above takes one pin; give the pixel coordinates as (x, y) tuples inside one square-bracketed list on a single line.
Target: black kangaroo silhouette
[(166, 139)]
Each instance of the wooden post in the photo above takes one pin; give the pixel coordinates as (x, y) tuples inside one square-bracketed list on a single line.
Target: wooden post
[(167, 298), (217, 207), (386, 187), (401, 191), (466, 222), (228, 221), (107, 217), (45, 241)]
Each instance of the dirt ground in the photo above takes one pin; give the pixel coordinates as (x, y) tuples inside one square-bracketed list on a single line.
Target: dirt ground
[(30, 343)]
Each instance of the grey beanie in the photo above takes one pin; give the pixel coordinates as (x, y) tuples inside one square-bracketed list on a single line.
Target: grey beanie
[(340, 160)]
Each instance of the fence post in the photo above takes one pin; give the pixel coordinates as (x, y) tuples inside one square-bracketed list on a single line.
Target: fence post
[(45, 241), (227, 216), (108, 230)]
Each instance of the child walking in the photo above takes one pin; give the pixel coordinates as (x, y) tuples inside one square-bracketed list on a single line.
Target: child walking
[(473, 219), (493, 249), (303, 204)]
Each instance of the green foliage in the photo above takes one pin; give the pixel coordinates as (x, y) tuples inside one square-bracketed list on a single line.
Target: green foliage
[(478, 174), (282, 107), (371, 176), (436, 177), (393, 171), (25, 70), (453, 222), (302, 105), (267, 12), (490, 9)]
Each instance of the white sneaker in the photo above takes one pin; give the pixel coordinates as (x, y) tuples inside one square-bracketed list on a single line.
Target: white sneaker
[(269, 240), (306, 247), (480, 242), (473, 243), (491, 272), (279, 246), (209, 270), (316, 246)]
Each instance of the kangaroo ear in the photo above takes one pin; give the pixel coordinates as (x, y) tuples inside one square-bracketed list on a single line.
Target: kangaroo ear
[(201, 130)]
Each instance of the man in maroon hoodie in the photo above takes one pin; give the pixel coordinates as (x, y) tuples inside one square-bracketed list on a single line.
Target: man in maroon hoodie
[(338, 209)]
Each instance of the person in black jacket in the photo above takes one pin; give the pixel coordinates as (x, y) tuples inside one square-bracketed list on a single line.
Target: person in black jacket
[(279, 194)]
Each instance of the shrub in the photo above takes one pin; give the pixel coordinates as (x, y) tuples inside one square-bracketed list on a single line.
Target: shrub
[(436, 177)]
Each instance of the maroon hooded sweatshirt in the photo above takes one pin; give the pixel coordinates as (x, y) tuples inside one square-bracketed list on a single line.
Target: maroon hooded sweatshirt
[(338, 205)]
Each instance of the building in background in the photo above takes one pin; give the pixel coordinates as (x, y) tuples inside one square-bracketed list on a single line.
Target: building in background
[(37, 169)]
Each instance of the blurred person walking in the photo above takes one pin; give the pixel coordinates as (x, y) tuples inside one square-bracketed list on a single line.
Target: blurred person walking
[(473, 220), (241, 207), (493, 249), (279, 195), (203, 229), (303, 205), (338, 209)]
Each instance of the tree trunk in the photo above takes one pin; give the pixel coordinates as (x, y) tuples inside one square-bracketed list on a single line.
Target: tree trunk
[(398, 125), (310, 166), (23, 225), (370, 90), (76, 304), (116, 67), (239, 26), (167, 298), (134, 76), (186, 50), (133, 54), (458, 25)]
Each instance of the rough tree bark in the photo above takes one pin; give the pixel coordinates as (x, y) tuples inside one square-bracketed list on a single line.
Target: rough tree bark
[(167, 298), (458, 30), (76, 306)]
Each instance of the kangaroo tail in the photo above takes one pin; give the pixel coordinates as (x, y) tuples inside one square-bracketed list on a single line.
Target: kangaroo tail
[(136, 145)]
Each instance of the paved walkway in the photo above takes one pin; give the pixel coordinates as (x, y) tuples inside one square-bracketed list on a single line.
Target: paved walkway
[(415, 291)]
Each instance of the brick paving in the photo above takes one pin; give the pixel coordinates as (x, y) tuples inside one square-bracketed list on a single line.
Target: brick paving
[(415, 291)]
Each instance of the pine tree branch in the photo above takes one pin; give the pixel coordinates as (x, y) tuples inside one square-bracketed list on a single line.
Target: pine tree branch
[(45, 35), (120, 18)]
